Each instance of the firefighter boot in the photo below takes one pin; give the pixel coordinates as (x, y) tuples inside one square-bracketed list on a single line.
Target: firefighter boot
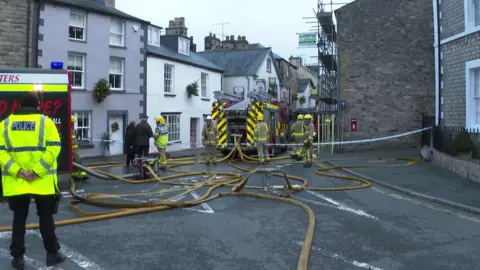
[(55, 258), (18, 263)]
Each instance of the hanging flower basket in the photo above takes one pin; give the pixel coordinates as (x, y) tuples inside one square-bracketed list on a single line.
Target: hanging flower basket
[(295, 97), (303, 100), (192, 89), (101, 90), (115, 127)]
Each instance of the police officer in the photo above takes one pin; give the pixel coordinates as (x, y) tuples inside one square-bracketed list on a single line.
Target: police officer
[(210, 140), (308, 140), (77, 173), (29, 147), (298, 134), (161, 141), (260, 135)]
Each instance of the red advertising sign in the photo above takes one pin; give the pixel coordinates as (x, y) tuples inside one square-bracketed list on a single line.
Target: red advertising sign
[(353, 124)]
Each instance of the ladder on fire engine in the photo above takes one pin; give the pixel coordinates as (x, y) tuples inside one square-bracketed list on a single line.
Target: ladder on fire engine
[(221, 97), (260, 96)]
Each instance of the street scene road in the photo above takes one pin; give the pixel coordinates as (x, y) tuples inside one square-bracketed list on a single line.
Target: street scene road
[(372, 228)]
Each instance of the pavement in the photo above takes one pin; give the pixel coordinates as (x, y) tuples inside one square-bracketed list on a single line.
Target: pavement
[(374, 228)]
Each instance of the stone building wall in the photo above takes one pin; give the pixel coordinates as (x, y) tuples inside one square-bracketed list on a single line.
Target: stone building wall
[(14, 51), (386, 69)]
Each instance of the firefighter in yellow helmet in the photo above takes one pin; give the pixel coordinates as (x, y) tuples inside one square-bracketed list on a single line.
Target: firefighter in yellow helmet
[(260, 135), (308, 140), (210, 140), (29, 148), (298, 134), (161, 140), (77, 174)]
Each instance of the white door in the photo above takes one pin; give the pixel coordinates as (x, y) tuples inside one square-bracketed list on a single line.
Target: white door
[(115, 125)]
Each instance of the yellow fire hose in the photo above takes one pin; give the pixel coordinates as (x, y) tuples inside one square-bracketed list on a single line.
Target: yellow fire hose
[(217, 179)]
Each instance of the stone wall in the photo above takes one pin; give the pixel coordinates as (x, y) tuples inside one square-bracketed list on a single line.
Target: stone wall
[(386, 69), (14, 38), (464, 168), (452, 19)]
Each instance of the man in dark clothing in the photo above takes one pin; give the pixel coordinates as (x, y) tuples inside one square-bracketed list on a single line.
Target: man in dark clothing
[(143, 132), (129, 143)]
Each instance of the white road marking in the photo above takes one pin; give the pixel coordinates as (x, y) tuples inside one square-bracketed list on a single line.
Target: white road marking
[(28, 261), (341, 206), (207, 207), (340, 257)]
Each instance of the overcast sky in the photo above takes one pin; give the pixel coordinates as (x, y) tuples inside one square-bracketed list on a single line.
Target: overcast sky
[(272, 23)]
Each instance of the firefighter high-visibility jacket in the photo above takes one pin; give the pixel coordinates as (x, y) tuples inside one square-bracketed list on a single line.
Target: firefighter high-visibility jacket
[(210, 135), (29, 141), (309, 130), (161, 136), (74, 139), (260, 133), (298, 130)]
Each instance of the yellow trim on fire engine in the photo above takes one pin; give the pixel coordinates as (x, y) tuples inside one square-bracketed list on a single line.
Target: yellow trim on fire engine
[(271, 106), (21, 87)]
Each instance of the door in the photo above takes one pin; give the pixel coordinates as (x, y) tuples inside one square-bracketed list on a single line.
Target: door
[(115, 128), (193, 132)]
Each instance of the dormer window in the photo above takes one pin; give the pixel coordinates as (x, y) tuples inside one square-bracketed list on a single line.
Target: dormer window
[(184, 46)]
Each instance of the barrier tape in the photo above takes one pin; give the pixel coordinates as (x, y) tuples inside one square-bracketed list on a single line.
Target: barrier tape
[(298, 144)]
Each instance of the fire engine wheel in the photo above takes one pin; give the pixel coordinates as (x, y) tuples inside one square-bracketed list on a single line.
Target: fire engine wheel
[(216, 180)]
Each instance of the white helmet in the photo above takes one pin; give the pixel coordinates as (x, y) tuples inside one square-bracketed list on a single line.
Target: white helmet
[(209, 117)]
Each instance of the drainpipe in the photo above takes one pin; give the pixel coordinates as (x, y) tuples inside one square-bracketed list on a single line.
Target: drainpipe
[(248, 88), (436, 28), (27, 36)]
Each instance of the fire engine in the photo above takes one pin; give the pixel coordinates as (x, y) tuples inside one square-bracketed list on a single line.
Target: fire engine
[(236, 119), (54, 88)]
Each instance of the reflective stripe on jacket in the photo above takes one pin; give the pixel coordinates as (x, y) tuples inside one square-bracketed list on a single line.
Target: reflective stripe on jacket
[(298, 129), (74, 139), (210, 135), (29, 141), (161, 136), (309, 130), (261, 132)]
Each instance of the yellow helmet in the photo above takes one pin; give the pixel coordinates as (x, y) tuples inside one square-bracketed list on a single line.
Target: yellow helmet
[(308, 117), (260, 117), (300, 117), (74, 119), (160, 119)]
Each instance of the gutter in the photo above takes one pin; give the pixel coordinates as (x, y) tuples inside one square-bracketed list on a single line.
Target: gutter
[(436, 46)]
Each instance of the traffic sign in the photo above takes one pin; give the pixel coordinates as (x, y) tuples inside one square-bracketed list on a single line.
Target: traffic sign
[(343, 104)]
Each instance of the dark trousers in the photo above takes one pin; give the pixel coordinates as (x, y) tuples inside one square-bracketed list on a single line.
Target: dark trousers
[(143, 151), (130, 158), (45, 206)]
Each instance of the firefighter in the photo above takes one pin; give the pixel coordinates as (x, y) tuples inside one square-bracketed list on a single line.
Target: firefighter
[(260, 135), (308, 140), (77, 173), (210, 140), (298, 134), (29, 148), (161, 141)]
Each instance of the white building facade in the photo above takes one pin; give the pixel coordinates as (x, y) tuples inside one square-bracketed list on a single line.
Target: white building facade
[(171, 68)]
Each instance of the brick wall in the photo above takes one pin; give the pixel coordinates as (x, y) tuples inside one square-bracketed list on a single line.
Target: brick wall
[(386, 69), (13, 33), (455, 54), (453, 18)]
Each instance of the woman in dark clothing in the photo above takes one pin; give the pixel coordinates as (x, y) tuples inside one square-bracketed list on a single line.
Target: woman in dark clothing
[(129, 143)]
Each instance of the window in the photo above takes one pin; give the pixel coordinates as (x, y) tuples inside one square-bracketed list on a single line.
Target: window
[(472, 105), (115, 77), (153, 36), (472, 14), (117, 33), (168, 79), (204, 83), (173, 124), (476, 95), (83, 125), (76, 65), (269, 65), (76, 26), (288, 72), (184, 46), (476, 8)]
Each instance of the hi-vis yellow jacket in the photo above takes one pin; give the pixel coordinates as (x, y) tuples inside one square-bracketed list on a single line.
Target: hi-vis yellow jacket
[(29, 141)]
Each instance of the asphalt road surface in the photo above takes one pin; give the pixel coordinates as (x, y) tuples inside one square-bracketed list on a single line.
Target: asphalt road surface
[(360, 229)]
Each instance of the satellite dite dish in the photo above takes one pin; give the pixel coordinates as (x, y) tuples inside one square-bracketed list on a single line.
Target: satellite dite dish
[(135, 28)]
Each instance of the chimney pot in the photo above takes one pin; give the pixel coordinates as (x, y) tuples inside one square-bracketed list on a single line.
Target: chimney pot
[(239, 38), (228, 38), (244, 38), (232, 37), (214, 35)]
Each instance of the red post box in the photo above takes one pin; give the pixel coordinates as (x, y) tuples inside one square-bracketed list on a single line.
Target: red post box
[(353, 124)]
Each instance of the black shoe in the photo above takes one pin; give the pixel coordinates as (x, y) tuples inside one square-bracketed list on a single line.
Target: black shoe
[(55, 258), (18, 263)]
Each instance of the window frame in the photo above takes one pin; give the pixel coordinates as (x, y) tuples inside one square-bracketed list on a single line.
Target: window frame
[(204, 85), (88, 128), (83, 57), (470, 15), (150, 40), (115, 34), (84, 26), (122, 74), (171, 89), (173, 129), (184, 46), (471, 67), (269, 65)]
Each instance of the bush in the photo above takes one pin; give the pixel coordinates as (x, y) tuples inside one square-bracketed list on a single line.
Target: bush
[(101, 90), (463, 143), (303, 99)]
